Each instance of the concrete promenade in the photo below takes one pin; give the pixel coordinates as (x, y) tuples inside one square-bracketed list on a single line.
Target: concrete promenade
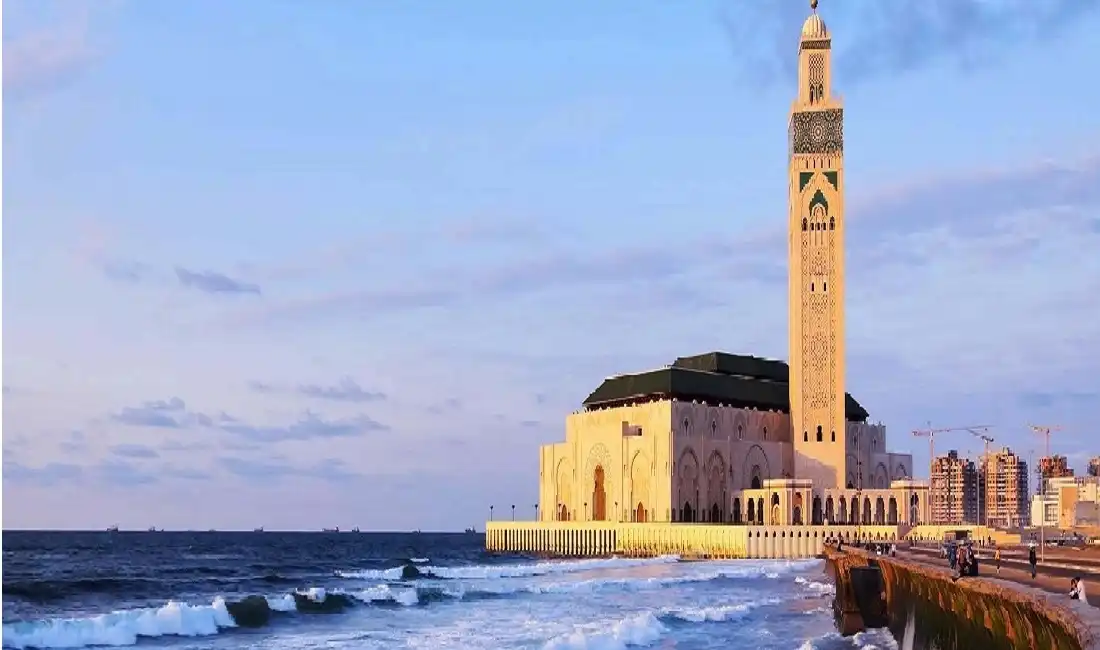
[(988, 611), (1051, 578)]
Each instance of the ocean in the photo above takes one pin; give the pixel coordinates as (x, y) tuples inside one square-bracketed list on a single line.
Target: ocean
[(271, 590)]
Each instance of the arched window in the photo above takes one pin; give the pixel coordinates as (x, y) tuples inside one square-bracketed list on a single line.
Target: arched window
[(811, 286), (805, 224), (740, 432), (824, 286), (805, 436), (765, 433), (832, 436), (832, 223), (819, 433)]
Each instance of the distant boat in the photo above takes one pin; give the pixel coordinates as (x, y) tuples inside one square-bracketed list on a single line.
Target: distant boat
[(330, 530), (112, 529), (471, 531), (152, 529), (355, 530), (258, 530)]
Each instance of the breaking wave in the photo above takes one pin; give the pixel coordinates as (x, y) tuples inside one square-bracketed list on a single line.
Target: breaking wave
[(408, 586), (645, 628)]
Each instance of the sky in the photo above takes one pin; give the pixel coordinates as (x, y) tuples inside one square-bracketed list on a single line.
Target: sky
[(301, 264)]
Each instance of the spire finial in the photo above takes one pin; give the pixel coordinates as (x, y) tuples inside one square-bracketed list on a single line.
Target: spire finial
[(813, 6)]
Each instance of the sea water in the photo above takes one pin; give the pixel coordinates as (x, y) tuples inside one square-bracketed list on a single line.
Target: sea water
[(381, 590)]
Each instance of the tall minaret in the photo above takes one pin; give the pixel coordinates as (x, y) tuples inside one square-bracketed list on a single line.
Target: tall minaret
[(817, 264)]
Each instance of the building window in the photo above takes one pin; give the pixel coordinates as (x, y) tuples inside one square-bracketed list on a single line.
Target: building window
[(805, 225), (811, 286), (824, 286), (832, 223), (740, 433), (713, 426), (805, 436), (819, 437), (832, 436)]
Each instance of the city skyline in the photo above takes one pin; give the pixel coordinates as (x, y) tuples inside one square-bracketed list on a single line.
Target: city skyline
[(291, 267)]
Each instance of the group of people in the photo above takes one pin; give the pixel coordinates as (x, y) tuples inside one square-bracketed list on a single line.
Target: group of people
[(963, 559), (879, 548)]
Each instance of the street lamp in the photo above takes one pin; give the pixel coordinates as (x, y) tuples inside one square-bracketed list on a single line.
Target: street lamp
[(490, 513), (513, 512), (616, 508), (536, 512), (586, 511)]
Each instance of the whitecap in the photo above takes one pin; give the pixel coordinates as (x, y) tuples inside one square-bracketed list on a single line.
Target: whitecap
[(120, 628)]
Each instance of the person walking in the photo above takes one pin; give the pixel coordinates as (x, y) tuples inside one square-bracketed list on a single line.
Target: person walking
[(1032, 559), (997, 558)]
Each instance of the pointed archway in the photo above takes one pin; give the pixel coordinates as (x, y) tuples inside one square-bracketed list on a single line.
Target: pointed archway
[(599, 495), (639, 513)]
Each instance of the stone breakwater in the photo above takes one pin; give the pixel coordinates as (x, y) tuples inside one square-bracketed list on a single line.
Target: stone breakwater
[(877, 591)]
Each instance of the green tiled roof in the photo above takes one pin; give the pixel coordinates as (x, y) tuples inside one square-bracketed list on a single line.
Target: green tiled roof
[(717, 377)]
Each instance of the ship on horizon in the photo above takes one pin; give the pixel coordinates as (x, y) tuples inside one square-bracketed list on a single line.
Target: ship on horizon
[(330, 530)]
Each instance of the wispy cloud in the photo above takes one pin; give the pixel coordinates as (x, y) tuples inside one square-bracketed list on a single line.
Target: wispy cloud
[(134, 451), (46, 57), (174, 414), (987, 212), (330, 470), (345, 390), (308, 427), (887, 38), (48, 475), (162, 414), (214, 282)]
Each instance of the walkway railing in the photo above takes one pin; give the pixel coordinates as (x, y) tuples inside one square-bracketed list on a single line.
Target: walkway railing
[(600, 538)]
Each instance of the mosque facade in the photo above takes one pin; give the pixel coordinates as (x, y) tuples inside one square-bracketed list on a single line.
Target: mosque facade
[(742, 440)]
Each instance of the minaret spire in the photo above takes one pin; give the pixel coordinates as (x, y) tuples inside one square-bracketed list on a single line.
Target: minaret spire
[(813, 6)]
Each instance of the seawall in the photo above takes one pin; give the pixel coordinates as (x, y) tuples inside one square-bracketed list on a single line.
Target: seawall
[(944, 613)]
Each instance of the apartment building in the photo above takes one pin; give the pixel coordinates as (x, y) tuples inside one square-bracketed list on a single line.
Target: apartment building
[(1052, 467), (954, 490), (1067, 502), (1006, 490)]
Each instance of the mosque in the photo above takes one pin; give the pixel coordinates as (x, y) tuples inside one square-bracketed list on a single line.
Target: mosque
[(732, 439)]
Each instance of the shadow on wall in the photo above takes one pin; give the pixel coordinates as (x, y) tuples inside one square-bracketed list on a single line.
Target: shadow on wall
[(821, 474), (942, 613)]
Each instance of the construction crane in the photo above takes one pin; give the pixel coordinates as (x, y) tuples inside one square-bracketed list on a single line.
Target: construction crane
[(931, 434), (1044, 431), (988, 440)]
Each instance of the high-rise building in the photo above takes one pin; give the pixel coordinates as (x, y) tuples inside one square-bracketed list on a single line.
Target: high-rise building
[(1006, 484), (954, 490), (1094, 466), (1052, 467)]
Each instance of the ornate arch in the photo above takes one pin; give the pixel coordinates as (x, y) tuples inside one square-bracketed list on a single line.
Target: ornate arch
[(716, 486), (755, 464), (687, 469), (641, 472), (882, 476), (598, 457), (563, 490), (900, 472)]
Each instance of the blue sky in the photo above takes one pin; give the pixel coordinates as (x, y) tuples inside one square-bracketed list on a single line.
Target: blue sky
[(305, 264)]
